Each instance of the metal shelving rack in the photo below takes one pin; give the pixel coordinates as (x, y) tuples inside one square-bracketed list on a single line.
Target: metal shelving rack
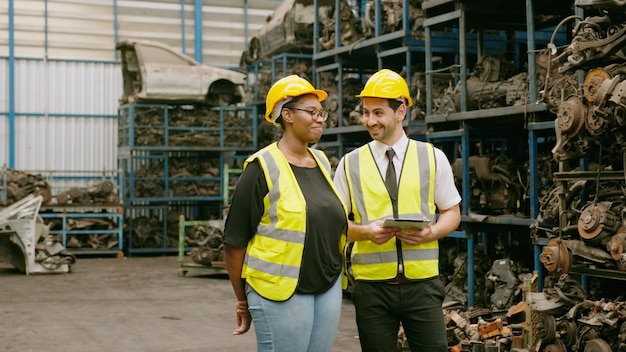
[(66, 233), (149, 186), (461, 127)]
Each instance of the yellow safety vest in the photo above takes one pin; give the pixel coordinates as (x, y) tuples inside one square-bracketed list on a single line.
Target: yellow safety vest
[(274, 254), (370, 202)]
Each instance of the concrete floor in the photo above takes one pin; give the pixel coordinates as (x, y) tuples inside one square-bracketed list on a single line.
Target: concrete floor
[(136, 304)]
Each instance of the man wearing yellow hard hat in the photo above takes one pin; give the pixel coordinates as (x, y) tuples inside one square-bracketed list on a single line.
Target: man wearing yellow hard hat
[(285, 231), (396, 270)]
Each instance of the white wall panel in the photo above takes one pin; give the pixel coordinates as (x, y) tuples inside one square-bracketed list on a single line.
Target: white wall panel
[(65, 115), (4, 141), (4, 85), (86, 30), (62, 87), (65, 143), (66, 84)]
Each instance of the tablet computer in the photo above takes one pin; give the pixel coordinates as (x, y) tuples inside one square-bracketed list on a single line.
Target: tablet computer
[(406, 223)]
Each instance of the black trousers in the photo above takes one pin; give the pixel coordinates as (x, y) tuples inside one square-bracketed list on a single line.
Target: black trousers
[(381, 307)]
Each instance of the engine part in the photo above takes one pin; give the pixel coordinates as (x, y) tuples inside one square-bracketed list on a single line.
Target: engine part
[(556, 346), (616, 247), (597, 345), (546, 328), (597, 222), (25, 241), (556, 258), (569, 121), (595, 39), (493, 189), (593, 81), (506, 284), (566, 332)]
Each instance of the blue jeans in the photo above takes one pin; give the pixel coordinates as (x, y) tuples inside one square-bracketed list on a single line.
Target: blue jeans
[(303, 323)]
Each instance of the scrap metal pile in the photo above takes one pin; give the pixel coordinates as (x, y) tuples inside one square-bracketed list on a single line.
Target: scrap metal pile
[(584, 216), (354, 29), (207, 242), (198, 126), (22, 184), (188, 176), (19, 184), (26, 243), (491, 84)]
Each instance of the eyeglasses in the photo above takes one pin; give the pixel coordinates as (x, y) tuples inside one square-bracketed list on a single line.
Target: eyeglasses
[(315, 115)]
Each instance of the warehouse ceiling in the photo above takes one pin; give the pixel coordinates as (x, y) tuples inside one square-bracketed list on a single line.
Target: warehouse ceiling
[(80, 30)]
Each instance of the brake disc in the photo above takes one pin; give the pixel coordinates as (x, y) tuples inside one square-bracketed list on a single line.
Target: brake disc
[(597, 345), (546, 327), (593, 81), (556, 258)]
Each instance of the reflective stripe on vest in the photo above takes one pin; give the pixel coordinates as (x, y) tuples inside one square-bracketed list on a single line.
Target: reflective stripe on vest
[(371, 202)]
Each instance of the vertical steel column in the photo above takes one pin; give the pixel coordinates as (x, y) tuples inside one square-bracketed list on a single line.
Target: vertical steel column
[(428, 52), (116, 25), (182, 26), (197, 11), (463, 58), (530, 40), (45, 28), (245, 23), (337, 23), (11, 131), (465, 211)]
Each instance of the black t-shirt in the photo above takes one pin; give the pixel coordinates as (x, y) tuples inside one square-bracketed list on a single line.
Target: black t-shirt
[(321, 263)]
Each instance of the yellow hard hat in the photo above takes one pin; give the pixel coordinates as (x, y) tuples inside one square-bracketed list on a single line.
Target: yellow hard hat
[(386, 84), (283, 90)]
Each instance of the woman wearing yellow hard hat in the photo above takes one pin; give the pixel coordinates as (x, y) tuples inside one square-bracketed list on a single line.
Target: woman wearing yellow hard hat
[(285, 232)]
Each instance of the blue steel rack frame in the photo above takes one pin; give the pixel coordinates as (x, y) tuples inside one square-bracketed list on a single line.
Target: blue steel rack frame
[(466, 120), (118, 219)]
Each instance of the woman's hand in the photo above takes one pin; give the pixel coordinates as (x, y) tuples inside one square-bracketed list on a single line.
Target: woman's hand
[(244, 319)]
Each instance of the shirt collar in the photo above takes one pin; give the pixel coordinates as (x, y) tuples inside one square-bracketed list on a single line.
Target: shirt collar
[(399, 147)]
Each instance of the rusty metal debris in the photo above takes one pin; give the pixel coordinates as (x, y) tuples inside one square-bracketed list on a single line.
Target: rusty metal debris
[(26, 243), (103, 192), (186, 175), (206, 241), (491, 84), (86, 240), (150, 127), (493, 184), (20, 184)]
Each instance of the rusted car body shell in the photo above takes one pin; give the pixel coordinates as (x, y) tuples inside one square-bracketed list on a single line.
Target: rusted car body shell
[(155, 72), (288, 29)]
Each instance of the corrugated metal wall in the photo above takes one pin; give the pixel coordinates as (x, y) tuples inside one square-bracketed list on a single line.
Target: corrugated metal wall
[(67, 81), (65, 115), (88, 30)]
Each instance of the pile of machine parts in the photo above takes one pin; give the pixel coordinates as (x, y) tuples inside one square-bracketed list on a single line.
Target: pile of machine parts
[(354, 29), (562, 315), (258, 85), (491, 84), (19, 184), (236, 130), (495, 184), (94, 241), (585, 217), (206, 242), (147, 232), (150, 180), (567, 320), (26, 243), (100, 193)]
